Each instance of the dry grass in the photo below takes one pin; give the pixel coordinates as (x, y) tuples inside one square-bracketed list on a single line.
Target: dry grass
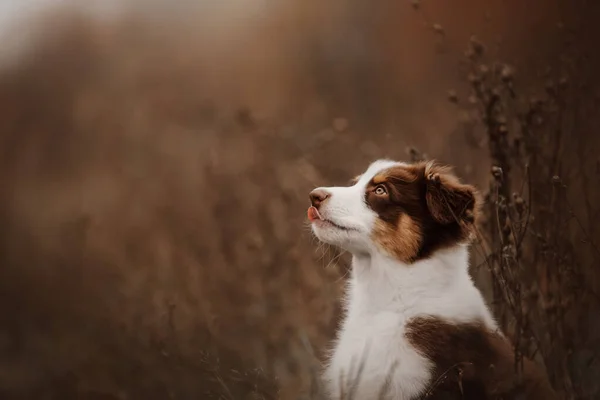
[(154, 185), (541, 241)]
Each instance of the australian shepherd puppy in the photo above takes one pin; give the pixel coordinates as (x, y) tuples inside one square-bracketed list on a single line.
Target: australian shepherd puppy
[(415, 325)]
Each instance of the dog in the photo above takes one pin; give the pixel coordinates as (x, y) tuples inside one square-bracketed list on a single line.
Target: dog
[(415, 326)]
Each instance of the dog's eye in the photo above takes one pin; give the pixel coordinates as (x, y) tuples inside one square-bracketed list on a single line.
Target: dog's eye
[(380, 190)]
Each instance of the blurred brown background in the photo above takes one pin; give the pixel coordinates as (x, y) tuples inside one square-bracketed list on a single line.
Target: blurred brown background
[(156, 159)]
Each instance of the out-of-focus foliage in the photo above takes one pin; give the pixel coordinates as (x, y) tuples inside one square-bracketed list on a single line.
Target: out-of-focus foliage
[(155, 164)]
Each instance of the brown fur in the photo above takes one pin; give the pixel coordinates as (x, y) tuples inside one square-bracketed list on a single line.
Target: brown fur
[(449, 200), (473, 363), (401, 246), (426, 208)]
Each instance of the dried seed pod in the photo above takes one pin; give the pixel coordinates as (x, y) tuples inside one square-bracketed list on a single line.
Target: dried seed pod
[(452, 96), (437, 28), (536, 103), (563, 82), (497, 172), (484, 70), (517, 198), (495, 94), (507, 230), (476, 46), (507, 251), (340, 124), (507, 74), (538, 120), (474, 79), (501, 205), (519, 203), (415, 155)]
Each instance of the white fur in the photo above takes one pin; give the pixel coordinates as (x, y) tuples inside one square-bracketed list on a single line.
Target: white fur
[(383, 294)]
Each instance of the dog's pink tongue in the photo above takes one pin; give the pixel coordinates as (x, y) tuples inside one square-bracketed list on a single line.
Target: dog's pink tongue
[(313, 214)]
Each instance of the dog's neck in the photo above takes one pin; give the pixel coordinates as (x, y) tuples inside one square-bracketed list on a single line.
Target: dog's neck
[(380, 282)]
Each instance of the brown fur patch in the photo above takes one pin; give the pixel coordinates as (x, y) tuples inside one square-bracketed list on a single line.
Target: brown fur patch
[(425, 208), (448, 199), (473, 363), (401, 246)]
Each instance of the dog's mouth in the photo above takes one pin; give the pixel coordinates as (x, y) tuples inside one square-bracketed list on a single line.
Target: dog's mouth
[(315, 217)]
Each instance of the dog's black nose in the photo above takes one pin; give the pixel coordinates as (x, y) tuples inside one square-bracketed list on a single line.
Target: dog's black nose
[(318, 196)]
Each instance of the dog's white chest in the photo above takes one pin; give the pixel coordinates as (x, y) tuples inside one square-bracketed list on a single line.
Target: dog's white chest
[(372, 356)]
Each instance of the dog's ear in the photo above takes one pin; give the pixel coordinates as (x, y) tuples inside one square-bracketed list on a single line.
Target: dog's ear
[(448, 200)]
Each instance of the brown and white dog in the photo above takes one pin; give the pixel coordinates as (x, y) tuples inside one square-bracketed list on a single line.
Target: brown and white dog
[(415, 325)]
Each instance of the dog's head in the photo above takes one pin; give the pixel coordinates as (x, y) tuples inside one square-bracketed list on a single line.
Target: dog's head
[(408, 211)]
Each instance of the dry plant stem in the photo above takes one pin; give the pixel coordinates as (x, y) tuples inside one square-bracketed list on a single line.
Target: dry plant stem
[(531, 240)]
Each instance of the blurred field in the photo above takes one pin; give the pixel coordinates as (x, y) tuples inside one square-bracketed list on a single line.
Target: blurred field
[(155, 164)]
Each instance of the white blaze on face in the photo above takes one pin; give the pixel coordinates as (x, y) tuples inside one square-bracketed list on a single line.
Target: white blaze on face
[(346, 220)]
